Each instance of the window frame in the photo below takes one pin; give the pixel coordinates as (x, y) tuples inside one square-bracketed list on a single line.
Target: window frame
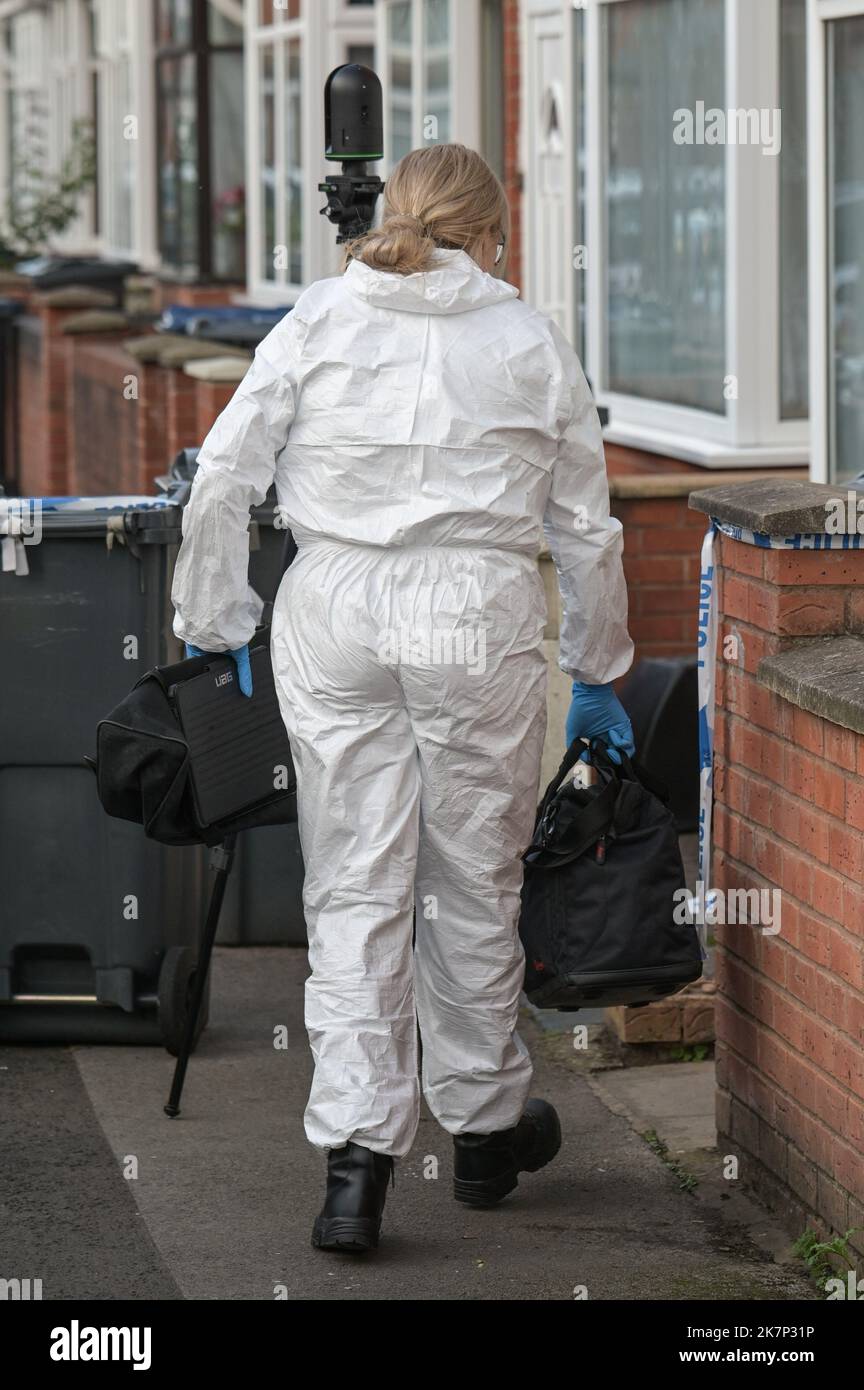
[(29, 79), (326, 30), (309, 29), (465, 57), (137, 43), (202, 49), (820, 13), (752, 432)]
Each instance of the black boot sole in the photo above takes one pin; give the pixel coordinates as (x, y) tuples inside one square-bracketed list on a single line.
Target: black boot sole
[(350, 1235), (485, 1192)]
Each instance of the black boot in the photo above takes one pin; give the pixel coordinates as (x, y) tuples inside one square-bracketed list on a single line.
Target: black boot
[(487, 1166), (350, 1219)]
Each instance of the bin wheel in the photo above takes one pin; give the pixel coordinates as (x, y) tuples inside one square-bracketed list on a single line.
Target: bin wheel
[(176, 978)]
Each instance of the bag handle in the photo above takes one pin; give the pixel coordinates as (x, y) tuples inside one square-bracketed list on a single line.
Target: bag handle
[(570, 759), (598, 757), (592, 822), (596, 816), (632, 770)]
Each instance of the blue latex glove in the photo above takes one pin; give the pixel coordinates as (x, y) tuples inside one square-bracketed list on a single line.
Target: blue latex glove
[(596, 712), (241, 657)]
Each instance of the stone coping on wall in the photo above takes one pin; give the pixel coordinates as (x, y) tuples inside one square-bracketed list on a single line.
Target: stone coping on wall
[(775, 506), (825, 676), (658, 485)]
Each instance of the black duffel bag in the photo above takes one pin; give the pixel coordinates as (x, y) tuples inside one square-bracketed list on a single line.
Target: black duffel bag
[(603, 880), (161, 765)]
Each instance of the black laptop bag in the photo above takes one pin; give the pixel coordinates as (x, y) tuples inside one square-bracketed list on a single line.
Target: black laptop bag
[(603, 893), (190, 758)]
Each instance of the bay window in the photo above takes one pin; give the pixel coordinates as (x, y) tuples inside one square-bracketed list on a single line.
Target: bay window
[(668, 232)]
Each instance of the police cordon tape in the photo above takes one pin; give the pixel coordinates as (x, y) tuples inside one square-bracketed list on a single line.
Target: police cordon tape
[(706, 666)]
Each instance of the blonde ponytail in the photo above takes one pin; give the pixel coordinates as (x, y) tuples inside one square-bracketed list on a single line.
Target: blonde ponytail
[(443, 195)]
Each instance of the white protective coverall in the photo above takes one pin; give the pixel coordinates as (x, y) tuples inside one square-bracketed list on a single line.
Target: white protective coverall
[(419, 429)]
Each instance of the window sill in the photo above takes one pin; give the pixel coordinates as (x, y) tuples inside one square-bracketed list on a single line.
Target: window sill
[(706, 453)]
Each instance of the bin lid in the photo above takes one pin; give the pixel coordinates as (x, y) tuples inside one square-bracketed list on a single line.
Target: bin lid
[(151, 519), (183, 318), (238, 333)]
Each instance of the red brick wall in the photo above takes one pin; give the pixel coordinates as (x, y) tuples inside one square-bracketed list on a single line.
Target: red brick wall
[(789, 791), (195, 296), (103, 432), (33, 476), (662, 542), (622, 461), (210, 400), (181, 411), (153, 457), (42, 402)]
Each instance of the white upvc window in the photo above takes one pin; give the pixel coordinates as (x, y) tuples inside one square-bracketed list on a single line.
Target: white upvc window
[(444, 93), (122, 65), (280, 38), (688, 242), (26, 117), (72, 67), (836, 104), (291, 46), (431, 71)]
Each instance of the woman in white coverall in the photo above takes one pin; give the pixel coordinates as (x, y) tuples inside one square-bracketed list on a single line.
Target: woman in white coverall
[(421, 424)]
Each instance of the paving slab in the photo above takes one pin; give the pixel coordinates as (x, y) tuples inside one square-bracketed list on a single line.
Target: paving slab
[(674, 1100)]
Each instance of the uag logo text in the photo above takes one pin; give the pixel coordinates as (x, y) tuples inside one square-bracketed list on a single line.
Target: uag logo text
[(20, 1290), (77, 1343), (225, 679)]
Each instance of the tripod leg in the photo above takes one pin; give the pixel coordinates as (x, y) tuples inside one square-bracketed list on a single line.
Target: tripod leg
[(221, 859)]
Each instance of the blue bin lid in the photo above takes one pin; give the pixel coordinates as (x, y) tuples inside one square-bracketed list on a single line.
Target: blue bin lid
[(89, 515)]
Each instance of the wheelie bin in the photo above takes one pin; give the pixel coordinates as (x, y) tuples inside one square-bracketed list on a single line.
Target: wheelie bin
[(98, 925)]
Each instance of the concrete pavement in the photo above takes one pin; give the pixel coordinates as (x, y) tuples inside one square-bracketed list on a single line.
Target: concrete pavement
[(224, 1197)]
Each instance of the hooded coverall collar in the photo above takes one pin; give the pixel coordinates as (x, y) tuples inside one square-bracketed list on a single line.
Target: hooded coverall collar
[(457, 283)]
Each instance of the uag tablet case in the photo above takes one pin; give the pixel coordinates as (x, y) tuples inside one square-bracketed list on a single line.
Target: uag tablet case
[(239, 754)]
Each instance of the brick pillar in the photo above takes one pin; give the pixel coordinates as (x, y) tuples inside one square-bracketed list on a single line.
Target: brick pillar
[(102, 417), (789, 812), (43, 402), (154, 455), (211, 399), (181, 411)]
